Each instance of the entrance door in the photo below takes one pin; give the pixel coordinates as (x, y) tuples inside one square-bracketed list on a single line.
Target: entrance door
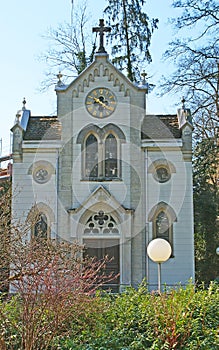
[(100, 248)]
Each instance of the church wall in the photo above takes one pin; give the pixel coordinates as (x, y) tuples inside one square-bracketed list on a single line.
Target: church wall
[(127, 116), (176, 193), (26, 191), (137, 187), (132, 196)]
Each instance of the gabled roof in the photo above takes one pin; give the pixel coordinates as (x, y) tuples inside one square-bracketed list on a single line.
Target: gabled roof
[(43, 128), (153, 127), (160, 127), (94, 70)]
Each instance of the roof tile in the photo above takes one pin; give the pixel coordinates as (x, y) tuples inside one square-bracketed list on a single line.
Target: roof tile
[(43, 128), (160, 127)]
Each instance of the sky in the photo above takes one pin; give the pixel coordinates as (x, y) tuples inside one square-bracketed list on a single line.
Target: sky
[(22, 26)]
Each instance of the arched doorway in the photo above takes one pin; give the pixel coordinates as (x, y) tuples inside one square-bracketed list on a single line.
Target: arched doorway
[(101, 239)]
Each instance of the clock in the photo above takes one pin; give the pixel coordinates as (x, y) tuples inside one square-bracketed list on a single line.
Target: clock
[(100, 102)]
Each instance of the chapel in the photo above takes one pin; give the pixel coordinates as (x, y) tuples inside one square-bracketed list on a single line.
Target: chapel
[(108, 175)]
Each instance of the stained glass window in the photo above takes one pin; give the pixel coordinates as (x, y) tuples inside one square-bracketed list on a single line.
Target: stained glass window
[(91, 157), (111, 160)]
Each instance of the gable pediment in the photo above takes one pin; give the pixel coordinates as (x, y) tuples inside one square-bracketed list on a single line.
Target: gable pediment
[(100, 68), (100, 198)]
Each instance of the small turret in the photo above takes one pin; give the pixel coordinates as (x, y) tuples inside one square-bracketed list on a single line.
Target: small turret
[(185, 125), (20, 124), (184, 115)]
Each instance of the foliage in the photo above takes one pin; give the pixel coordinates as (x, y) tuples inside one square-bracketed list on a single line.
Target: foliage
[(195, 53), (176, 319), (181, 318), (5, 219), (206, 199), (71, 52), (130, 35)]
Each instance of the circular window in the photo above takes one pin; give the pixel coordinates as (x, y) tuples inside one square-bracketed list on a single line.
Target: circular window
[(162, 174), (41, 171), (41, 175)]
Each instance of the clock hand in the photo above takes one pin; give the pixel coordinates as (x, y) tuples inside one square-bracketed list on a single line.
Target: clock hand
[(102, 103)]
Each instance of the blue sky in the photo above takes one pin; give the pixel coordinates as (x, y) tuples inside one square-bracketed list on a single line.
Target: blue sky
[(22, 25)]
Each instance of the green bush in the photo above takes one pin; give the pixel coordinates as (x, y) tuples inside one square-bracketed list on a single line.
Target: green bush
[(181, 318)]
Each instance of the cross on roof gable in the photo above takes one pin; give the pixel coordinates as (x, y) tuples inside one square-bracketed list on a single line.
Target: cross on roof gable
[(101, 29)]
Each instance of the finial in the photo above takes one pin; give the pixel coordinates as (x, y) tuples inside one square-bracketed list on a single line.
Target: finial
[(183, 103), (143, 74), (101, 29), (24, 103), (59, 76), (17, 118)]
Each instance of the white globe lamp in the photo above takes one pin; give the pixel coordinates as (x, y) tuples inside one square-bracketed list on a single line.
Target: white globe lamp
[(159, 251)]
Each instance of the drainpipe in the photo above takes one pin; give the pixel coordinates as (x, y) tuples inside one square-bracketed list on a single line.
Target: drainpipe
[(146, 215)]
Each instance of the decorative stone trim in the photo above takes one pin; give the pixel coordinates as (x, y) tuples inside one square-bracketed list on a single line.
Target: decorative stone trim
[(161, 169), (101, 223), (163, 208), (41, 171), (101, 70), (41, 209), (166, 208)]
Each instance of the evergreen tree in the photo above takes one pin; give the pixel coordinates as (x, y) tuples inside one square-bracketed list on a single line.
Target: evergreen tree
[(130, 36), (206, 205)]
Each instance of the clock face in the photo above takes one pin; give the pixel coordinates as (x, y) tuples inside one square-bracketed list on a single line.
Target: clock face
[(100, 102)]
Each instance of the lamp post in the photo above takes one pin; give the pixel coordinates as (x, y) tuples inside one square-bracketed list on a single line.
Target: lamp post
[(159, 251)]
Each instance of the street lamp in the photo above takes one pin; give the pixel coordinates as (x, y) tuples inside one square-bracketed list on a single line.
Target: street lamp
[(217, 251), (159, 250)]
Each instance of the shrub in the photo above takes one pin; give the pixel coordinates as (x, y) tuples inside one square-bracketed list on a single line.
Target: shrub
[(181, 318)]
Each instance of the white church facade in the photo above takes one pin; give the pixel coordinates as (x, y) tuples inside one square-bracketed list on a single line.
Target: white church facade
[(107, 175)]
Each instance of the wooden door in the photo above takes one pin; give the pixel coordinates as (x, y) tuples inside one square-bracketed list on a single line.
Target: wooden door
[(101, 248)]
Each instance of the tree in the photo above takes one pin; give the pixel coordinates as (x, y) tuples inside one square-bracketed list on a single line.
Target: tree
[(197, 78), (206, 208), (130, 36), (196, 12), (53, 284), (5, 220), (68, 51), (197, 63), (71, 51)]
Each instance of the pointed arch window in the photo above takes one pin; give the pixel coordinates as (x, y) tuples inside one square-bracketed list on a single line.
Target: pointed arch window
[(163, 217), (111, 157), (91, 156), (40, 230), (101, 157), (101, 152), (162, 223)]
